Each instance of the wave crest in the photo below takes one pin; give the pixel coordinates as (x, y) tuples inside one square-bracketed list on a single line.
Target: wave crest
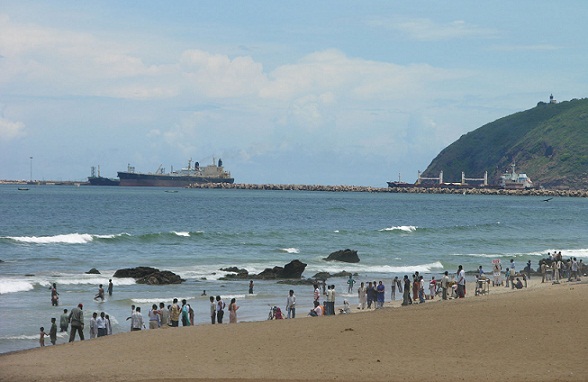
[(403, 228)]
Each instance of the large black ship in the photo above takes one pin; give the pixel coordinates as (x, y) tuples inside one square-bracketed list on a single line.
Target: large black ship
[(186, 177)]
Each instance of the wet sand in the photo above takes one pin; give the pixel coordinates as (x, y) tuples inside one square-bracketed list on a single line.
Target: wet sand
[(534, 334)]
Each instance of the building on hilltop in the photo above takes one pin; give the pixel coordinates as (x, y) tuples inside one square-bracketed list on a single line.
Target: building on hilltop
[(552, 100)]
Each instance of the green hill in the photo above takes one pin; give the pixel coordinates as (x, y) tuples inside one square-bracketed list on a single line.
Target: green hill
[(549, 143)]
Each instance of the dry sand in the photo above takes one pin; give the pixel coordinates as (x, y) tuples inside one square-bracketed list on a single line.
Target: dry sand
[(535, 334)]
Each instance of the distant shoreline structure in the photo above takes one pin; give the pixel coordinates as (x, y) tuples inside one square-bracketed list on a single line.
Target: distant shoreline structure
[(347, 188)]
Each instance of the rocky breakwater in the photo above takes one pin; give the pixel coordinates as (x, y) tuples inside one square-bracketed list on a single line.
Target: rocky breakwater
[(398, 190), (292, 270), (149, 276)]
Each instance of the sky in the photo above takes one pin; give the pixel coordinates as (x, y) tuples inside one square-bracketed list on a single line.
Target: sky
[(305, 92)]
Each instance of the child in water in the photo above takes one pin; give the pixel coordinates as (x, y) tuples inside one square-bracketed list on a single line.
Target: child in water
[(42, 335)]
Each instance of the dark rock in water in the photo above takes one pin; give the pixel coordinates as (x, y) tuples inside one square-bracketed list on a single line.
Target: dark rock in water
[(297, 282), (150, 276), (234, 270), (292, 270), (346, 256), (93, 271), (236, 273), (160, 278), (321, 276), (342, 274)]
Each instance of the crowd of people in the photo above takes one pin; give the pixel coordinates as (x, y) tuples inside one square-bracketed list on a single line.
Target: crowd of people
[(415, 290), (161, 316)]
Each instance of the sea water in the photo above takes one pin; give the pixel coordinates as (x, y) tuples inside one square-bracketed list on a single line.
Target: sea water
[(54, 234)]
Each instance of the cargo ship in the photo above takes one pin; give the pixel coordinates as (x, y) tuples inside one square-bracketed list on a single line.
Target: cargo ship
[(186, 177), (99, 180)]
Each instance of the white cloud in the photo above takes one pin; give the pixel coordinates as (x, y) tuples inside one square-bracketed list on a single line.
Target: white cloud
[(10, 129), (525, 48), (427, 30)]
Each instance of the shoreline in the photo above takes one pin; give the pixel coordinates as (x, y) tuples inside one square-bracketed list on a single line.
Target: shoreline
[(454, 190), (506, 334)]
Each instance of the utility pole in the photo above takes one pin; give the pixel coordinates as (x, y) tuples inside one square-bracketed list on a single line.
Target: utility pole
[(31, 169)]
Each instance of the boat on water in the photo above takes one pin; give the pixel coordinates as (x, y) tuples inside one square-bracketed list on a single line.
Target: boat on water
[(186, 177), (512, 180), (97, 180)]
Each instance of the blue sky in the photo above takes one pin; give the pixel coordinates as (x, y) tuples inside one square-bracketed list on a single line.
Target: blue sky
[(333, 92)]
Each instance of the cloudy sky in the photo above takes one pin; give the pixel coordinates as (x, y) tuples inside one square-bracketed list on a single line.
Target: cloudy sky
[(330, 92)]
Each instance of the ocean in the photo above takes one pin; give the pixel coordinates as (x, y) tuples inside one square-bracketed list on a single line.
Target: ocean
[(54, 234)]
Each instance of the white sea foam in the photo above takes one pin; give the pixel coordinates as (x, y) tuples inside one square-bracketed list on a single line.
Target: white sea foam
[(14, 286), (290, 250), (335, 268), (404, 228), (183, 234), (72, 238)]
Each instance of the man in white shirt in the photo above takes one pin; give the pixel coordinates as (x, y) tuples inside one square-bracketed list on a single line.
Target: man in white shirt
[(461, 282), (101, 324), (137, 320)]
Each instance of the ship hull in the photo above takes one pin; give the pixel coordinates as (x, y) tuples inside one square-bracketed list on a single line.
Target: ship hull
[(131, 179), (100, 181)]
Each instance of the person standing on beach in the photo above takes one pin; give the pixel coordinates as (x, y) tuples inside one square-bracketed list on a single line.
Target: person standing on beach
[(101, 325), (329, 300), (362, 296), (497, 269), (42, 335), (445, 284), (185, 314), (415, 287), (131, 316), (461, 282), (76, 319), (421, 290), (333, 295), (393, 288), (220, 309), (108, 325), (350, 284), (110, 287), (380, 290), (406, 294), (93, 327), (64, 321), (212, 310), (291, 304), (233, 311), (369, 295), (137, 320), (433, 288), (53, 331), (154, 315), (54, 295), (250, 286), (174, 314), (317, 292), (163, 315)]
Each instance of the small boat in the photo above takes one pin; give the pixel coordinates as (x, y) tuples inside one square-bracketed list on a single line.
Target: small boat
[(171, 191), (23, 189)]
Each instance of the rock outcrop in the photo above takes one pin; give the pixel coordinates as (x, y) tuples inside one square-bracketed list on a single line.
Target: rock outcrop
[(292, 270), (346, 256), (150, 276), (93, 271)]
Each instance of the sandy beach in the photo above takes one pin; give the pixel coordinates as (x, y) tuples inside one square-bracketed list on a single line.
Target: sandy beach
[(534, 334)]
